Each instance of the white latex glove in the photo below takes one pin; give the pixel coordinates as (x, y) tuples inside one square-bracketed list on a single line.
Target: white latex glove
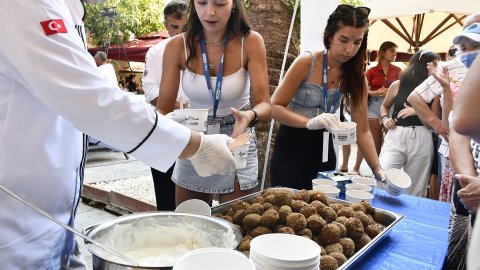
[(178, 119), (213, 155), (324, 120)]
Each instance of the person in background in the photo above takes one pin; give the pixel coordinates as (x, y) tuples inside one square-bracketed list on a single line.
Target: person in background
[(106, 69), (408, 144), (379, 79), (223, 66), (49, 114), (175, 17), (307, 98), (131, 84)]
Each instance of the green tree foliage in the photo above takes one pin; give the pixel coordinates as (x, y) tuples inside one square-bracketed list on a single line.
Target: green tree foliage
[(132, 18)]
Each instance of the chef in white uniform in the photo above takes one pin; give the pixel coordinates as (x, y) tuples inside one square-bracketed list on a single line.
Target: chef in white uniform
[(51, 92)]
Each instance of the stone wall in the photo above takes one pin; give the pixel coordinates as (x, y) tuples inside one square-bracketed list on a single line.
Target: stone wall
[(272, 20)]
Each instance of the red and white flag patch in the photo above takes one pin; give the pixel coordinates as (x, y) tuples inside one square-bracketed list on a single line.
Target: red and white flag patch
[(52, 27)]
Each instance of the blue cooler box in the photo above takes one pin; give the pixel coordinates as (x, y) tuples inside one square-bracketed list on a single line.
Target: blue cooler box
[(341, 179)]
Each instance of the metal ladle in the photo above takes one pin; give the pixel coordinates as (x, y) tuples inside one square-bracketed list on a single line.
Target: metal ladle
[(68, 228)]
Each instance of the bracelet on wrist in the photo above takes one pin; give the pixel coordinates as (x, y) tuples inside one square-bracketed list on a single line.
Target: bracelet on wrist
[(381, 118)]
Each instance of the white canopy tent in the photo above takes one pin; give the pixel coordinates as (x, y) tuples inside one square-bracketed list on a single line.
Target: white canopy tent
[(418, 24)]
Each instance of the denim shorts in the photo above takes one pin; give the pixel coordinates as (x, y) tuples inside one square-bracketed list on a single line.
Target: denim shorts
[(374, 104), (185, 176)]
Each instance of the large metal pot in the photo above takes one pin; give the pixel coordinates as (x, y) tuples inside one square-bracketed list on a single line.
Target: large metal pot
[(156, 239)]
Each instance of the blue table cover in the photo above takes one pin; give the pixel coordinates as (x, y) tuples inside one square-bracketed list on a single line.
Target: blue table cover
[(418, 241)]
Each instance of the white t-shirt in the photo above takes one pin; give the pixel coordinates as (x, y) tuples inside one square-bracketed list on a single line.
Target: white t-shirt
[(51, 92), (108, 72), (152, 73)]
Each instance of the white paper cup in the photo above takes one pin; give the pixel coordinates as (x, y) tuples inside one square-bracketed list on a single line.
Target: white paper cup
[(397, 181), (330, 191), (194, 206), (195, 119), (346, 134), (365, 181), (240, 153), (358, 195), (355, 186), (323, 182), (213, 259)]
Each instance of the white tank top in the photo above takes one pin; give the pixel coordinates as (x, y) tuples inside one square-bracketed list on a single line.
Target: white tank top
[(235, 89)]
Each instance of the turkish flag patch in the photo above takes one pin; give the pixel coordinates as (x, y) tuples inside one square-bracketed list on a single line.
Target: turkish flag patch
[(52, 27)]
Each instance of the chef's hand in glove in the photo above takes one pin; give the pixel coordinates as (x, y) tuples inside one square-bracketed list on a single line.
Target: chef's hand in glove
[(176, 118), (213, 155), (325, 120)]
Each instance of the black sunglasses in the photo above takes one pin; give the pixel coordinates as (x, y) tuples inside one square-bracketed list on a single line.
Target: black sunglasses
[(364, 11)]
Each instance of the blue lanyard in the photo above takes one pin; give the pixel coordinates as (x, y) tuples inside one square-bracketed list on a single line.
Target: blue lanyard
[(218, 86), (336, 96)]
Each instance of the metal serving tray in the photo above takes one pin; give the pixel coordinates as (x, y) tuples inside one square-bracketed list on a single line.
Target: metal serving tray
[(387, 218)]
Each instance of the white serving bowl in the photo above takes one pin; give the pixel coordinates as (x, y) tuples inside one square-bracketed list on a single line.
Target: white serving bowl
[(214, 259), (330, 191), (397, 181), (365, 181), (355, 186), (324, 182), (358, 195)]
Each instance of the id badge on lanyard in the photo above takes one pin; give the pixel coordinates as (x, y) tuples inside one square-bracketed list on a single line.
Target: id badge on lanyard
[(214, 128), (327, 108)]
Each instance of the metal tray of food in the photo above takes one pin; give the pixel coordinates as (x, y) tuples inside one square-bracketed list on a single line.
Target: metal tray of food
[(387, 218)]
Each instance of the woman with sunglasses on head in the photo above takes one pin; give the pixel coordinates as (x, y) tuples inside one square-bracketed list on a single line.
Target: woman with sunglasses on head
[(223, 64), (408, 143), (307, 98), (379, 79)]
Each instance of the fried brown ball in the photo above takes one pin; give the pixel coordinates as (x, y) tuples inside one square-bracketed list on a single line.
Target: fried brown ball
[(322, 251), (269, 199), (227, 218), (230, 212), (343, 229), (318, 195), (251, 221), (336, 206), (218, 215), (270, 218), (316, 223), (318, 204), (354, 228), (238, 217), (341, 259), (286, 230), (284, 211), (283, 197), (330, 234), (297, 205), (361, 241), (267, 192), (358, 207), (296, 221), (239, 205), (341, 219), (244, 243), (336, 247), (370, 219), (267, 206), (240, 228), (346, 212), (302, 195), (373, 230), (305, 232), (328, 262), (308, 210), (260, 230), (348, 246), (328, 214), (258, 199), (368, 207), (255, 208), (363, 218)]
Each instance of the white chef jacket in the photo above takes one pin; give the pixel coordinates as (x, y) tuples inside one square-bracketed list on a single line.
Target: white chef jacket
[(108, 73), (50, 91), (152, 73)]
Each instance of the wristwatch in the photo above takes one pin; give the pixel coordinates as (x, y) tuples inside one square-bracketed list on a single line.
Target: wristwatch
[(255, 118)]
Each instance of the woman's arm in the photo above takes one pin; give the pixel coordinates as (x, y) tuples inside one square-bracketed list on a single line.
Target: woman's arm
[(256, 61), (386, 120), (364, 137), (286, 90), (172, 66)]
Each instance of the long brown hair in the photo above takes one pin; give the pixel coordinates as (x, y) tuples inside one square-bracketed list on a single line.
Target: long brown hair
[(353, 78), (237, 26)]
